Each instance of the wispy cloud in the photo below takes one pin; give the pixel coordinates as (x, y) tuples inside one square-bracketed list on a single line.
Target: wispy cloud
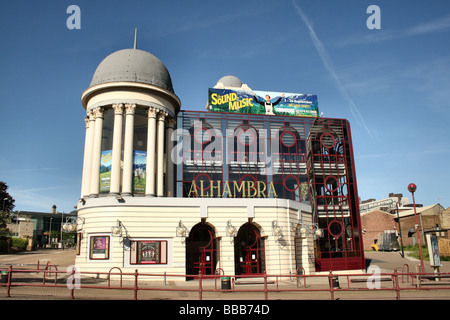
[(437, 25), (370, 38), (406, 154), (209, 19), (33, 198), (326, 60)]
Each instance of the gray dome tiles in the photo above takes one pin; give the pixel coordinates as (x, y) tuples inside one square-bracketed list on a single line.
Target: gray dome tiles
[(133, 65)]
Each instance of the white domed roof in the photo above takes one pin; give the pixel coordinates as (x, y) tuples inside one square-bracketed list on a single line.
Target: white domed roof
[(133, 65), (230, 81)]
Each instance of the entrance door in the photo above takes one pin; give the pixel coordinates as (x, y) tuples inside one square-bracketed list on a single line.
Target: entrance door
[(249, 251), (202, 250)]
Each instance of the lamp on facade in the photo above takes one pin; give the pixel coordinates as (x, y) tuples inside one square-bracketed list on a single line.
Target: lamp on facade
[(73, 224), (309, 229), (276, 229), (231, 230), (318, 232), (182, 231), (412, 188), (303, 231), (116, 230)]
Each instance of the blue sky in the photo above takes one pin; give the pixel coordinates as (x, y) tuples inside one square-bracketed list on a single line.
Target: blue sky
[(392, 84)]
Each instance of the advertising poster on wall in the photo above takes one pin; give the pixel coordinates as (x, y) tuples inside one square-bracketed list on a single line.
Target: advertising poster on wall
[(148, 252), (99, 247), (262, 102), (139, 169), (105, 171)]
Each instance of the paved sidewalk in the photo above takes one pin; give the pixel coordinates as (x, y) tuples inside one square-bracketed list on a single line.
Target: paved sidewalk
[(386, 261), (58, 257)]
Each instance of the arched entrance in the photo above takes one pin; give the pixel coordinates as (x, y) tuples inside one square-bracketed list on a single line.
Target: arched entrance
[(202, 250), (249, 253)]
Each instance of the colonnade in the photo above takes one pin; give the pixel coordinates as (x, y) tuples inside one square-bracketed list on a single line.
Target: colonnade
[(160, 128)]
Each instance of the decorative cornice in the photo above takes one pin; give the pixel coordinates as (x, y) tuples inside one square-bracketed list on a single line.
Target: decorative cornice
[(112, 86), (141, 103)]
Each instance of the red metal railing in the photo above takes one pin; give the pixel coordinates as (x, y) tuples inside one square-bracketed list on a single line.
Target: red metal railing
[(138, 282)]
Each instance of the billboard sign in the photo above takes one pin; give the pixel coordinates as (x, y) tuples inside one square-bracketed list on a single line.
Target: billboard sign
[(262, 102), (105, 170)]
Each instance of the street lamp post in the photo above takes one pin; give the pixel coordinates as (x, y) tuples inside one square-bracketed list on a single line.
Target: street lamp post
[(412, 188)]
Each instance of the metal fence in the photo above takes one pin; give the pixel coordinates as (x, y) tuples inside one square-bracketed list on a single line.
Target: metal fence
[(263, 286)]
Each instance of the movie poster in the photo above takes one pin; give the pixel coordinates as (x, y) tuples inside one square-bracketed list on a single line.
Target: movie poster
[(139, 170), (105, 170), (99, 247), (262, 102), (148, 252)]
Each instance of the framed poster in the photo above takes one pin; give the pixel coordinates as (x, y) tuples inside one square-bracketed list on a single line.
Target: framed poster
[(148, 252), (99, 248)]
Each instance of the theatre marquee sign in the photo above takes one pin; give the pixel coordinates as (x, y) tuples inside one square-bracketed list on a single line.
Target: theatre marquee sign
[(232, 189)]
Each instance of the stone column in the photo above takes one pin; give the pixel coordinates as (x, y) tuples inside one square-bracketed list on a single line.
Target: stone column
[(151, 148), (170, 165), (127, 183), (116, 149), (160, 155), (86, 179), (96, 152)]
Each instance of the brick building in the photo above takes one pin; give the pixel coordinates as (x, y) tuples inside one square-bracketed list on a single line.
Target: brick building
[(374, 223), (429, 217)]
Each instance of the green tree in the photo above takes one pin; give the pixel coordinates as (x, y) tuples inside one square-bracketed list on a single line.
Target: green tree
[(6, 205)]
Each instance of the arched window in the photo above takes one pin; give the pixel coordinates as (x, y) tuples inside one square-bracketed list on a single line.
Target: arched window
[(203, 166), (202, 250), (292, 146), (249, 251), (245, 142), (202, 136)]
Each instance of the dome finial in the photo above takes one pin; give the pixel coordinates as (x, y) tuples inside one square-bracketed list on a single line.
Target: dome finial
[(135, 38)]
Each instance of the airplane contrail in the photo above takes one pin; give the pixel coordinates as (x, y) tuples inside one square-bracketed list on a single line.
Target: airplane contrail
[(326, 60)]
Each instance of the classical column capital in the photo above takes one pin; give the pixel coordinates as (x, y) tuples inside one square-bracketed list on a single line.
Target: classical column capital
[(98, 112), (171, 123), (162, 115), (130, 108), (87, 120), (118, 108), (90, 115), (152, 112)]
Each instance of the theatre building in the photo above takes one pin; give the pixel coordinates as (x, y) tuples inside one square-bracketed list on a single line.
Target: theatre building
[(256, 183)]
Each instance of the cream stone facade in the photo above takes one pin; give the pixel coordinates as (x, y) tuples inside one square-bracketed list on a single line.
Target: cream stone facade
[(160, 218), (132, 213)]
